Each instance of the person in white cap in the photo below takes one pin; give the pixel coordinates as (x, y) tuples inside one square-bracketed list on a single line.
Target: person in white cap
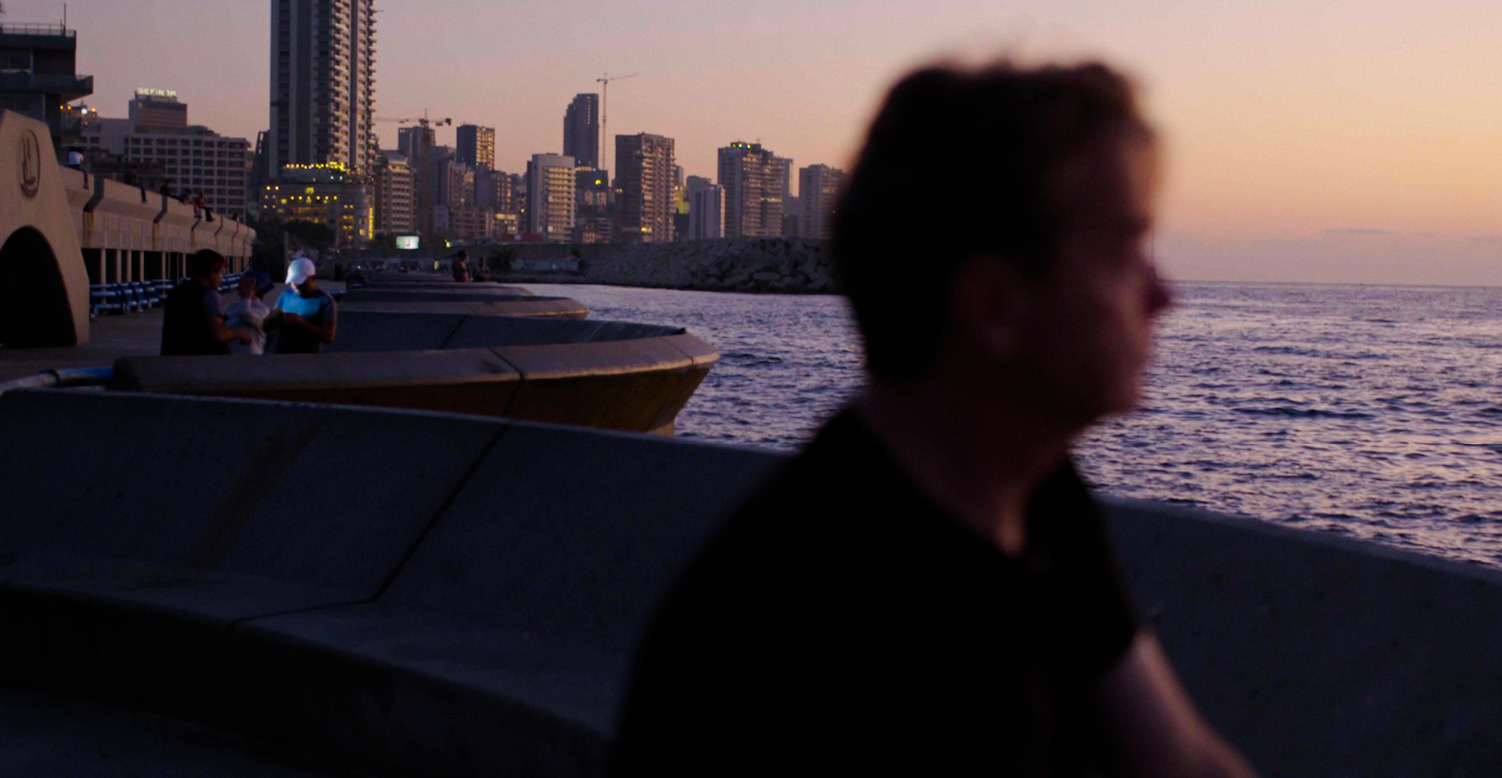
[(308, 315)]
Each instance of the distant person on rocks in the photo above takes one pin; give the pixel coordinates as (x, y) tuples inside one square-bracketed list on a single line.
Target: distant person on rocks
[(249, 312), (193, 319), (927, 589), (461, 266), (307, 316), (75, 158)]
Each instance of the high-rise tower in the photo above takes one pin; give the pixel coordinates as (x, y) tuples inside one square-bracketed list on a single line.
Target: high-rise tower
[(581, 130), (644, 173), (754, 179), (818, 189), (550, 197), (476, 145), (323, 84)]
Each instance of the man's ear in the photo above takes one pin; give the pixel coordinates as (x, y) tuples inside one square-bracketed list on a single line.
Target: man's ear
[(986, 300)]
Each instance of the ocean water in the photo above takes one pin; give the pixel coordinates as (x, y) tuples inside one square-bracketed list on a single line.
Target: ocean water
[(1368, 411)]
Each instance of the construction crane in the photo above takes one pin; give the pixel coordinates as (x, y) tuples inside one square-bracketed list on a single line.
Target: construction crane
[(421, 120), (605, 116), (419, 153)]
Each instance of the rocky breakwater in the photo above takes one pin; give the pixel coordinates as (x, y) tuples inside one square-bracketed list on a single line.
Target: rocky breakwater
[(780, 265)]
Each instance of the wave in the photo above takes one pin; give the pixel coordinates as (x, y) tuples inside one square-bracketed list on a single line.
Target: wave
[(1304, 413)]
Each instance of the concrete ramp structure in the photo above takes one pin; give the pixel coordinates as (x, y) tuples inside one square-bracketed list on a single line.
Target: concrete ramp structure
[(416, 594), (45, 298), (62, 230)]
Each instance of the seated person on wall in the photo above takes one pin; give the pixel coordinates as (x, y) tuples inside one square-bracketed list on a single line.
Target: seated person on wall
[(307, 316), (193, 319), (927, 589)]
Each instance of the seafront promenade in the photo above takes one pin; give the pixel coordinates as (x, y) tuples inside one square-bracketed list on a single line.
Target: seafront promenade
[(413, 556)]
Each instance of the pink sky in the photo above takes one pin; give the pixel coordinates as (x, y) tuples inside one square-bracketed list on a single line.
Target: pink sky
[(1308, 141)]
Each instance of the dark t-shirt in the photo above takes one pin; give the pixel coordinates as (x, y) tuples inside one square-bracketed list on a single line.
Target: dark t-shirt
[(319, 310), (187, 320), (842, 622)]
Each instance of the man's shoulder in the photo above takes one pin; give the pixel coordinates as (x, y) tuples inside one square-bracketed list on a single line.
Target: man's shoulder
[(838, 513), (837, 472)]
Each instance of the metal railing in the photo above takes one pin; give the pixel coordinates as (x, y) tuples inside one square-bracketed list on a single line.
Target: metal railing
[(37, 29)]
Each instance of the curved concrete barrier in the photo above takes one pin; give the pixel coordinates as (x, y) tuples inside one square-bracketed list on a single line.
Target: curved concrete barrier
[(415, 593), (612, 375), (495, 302), (385, 281), (428, 294), (441, 598), (555, 307)]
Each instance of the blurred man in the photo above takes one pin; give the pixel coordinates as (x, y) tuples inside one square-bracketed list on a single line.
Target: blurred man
[(193, 320), (927, 588)]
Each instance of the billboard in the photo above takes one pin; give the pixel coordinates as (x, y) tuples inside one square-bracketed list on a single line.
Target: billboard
[(406, 242)]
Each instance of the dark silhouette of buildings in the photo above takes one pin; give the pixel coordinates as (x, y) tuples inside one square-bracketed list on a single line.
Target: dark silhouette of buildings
[(581, 130)]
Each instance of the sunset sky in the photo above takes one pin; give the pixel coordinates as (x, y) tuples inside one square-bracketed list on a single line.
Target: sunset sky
[(1307, 141)]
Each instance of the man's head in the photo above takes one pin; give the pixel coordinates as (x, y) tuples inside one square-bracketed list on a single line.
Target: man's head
[(207, 266), (998, 216), (302, 274), (254, 284)]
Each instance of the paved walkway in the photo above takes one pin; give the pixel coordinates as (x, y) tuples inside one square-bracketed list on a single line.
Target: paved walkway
[(111, 336)]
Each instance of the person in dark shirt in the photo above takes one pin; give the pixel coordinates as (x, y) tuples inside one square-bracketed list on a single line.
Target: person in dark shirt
[(193, 319), (460, 266), (307, 316), (927, 588)]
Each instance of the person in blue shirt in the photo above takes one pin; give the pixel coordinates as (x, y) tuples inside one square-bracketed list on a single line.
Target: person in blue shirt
[(307, 314)]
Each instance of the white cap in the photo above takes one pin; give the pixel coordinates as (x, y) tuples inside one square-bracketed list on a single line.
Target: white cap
[(301, 270)]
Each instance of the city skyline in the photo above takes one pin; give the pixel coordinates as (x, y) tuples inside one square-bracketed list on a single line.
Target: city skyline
[(1317, 142)]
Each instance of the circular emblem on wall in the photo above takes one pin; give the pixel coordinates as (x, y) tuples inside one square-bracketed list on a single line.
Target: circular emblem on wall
[(30, 167)]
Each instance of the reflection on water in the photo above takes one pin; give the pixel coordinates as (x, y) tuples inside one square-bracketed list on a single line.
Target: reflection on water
[(1368, 411)]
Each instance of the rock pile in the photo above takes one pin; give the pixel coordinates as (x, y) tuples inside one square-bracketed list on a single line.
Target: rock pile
[(779, 265)]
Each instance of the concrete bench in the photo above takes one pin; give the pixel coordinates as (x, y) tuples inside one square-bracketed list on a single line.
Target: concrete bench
[(444, 592), (138, 528), (413, 593)]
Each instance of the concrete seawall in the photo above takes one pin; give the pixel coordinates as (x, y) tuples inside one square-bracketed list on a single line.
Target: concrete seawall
[(419, 593)]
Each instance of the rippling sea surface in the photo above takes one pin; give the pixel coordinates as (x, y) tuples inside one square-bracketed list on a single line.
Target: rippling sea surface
[(1367, 411)]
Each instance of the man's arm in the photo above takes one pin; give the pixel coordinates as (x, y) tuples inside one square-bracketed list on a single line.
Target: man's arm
[(226, 334), (1154, 726)]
